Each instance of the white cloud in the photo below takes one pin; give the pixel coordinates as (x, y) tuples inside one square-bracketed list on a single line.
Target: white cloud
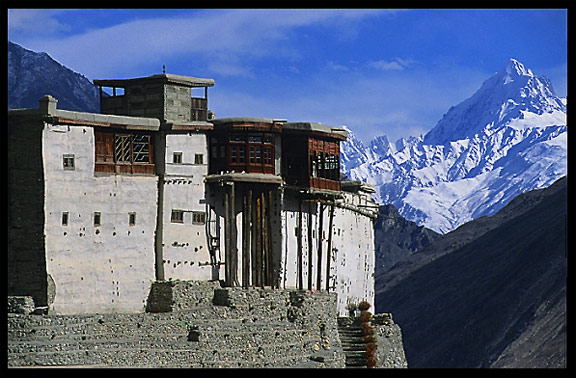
[(32, 21), (209, 34), (397, 64)]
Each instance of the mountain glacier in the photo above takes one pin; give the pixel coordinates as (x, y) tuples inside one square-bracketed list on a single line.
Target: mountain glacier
[(507, 138)]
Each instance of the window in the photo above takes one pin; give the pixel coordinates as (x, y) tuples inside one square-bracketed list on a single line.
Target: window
[(97, 219), (177, 216), (177, 158), (250, 152), (141, 148), (127, 153), (198, 217), (68, 162), (65, 218), (198, 159), (131, 219)]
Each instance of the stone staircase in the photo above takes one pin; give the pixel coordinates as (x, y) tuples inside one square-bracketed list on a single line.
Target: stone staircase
[(352, 340)]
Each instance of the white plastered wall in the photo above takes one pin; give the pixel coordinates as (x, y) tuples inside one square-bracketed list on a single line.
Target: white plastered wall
[(352, 254), (95, 269), (185, 251)]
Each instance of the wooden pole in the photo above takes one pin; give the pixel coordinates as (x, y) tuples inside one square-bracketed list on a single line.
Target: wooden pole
[(227, 237), (233, 232), (264, 255), (248, 253), (245, 239), (271, 273)]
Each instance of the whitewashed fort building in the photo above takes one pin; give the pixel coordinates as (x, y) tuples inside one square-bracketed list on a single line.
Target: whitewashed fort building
[(155, 189)]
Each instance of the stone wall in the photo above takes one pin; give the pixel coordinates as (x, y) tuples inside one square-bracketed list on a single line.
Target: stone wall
[(198, 324), (220, 328), (390, 350)]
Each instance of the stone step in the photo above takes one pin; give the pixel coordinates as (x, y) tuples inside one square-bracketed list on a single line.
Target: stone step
[(353, 343), (161, 331), (156, 358), (46, 353)]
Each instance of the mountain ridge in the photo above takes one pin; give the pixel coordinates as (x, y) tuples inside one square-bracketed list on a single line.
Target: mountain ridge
[(31, 75), (481, 295), (509, 137)]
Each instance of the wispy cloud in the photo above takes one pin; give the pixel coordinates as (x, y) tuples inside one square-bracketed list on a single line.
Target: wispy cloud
[(397, 64), (211, 34), (32, 21)]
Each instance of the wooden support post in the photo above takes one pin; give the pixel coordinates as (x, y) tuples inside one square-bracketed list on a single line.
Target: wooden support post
[(227, 237), (233, 241), (254, 239), (271, 273), (264, 250), (249, 226), (245, 240), (329, 249), (258, 250)]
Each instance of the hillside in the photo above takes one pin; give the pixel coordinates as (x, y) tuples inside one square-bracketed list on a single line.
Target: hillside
[(32, 75), (396, 239), (491, 293)]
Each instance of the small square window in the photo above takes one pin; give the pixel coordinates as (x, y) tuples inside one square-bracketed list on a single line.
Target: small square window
[(177, 216), (198, 217), (68, 162), (132, 219), (65, 218), (177, 158), (97, 218), (198, 159)]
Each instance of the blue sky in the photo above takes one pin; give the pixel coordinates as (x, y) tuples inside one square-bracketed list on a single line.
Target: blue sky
[(377, 71)]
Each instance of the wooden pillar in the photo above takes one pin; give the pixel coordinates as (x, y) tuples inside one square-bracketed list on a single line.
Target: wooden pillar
[(257, 252), (246, 214), (264, 250), (227, 237), (233, 236), (231, 254), (270, 261)]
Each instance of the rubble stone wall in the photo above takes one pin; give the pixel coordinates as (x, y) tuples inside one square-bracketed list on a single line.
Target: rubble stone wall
[(214, 327)]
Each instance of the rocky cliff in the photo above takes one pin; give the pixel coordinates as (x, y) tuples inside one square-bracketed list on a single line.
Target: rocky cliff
[(396, 238)]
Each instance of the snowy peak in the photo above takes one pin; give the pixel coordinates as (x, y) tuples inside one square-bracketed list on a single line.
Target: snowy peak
[(507, 138), (507, 95), (515, 69)]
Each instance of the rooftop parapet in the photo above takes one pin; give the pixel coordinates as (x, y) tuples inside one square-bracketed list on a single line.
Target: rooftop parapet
[(316, 129), (48, 109)]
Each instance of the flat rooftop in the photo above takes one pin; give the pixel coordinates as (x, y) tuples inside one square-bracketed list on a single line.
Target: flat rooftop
[(188, 81), (313, 127)]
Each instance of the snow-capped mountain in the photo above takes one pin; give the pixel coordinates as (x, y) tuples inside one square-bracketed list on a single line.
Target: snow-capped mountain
[(508, 138)]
